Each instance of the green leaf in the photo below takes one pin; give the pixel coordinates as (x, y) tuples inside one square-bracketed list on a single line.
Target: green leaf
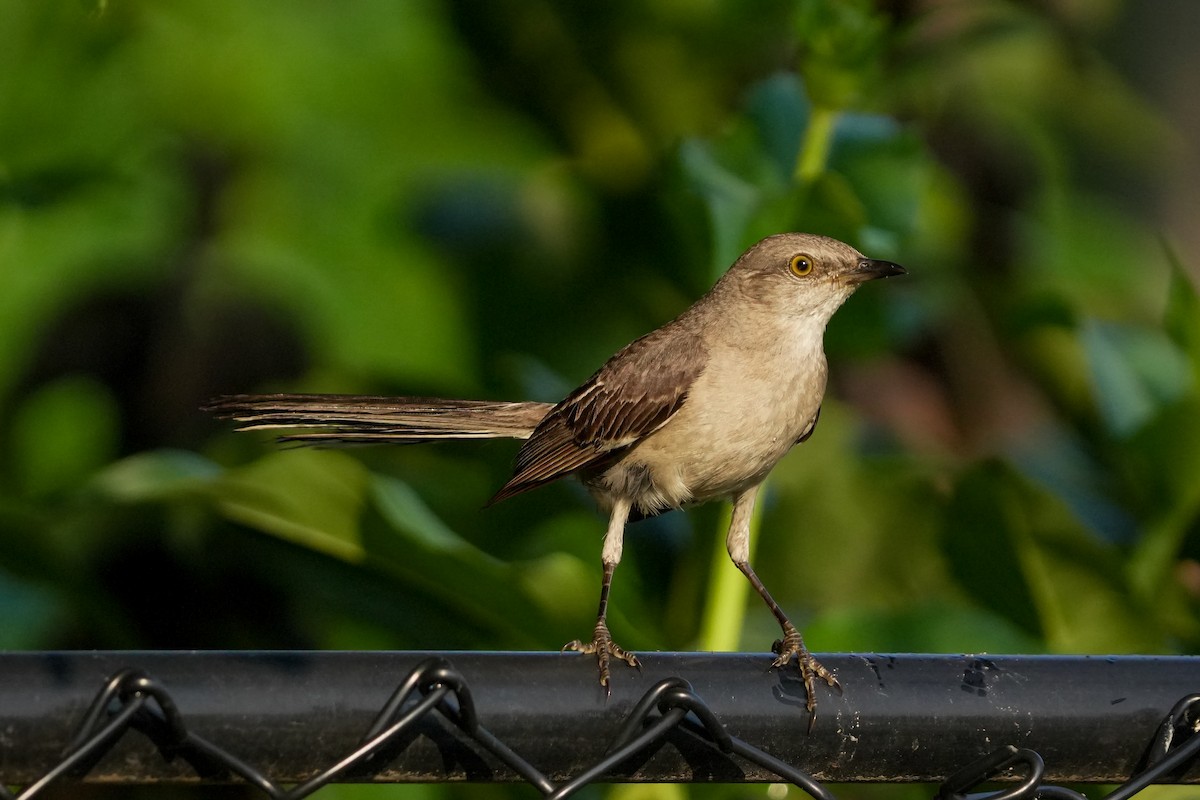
[(313, 498), (404, 537), (63, 431), (407, 512), (1135, 373), (1018, 551), (888, 168), (1163, 461), (928, 628), (842, 48), (779, 109), (977, 540), (730, 200), (155, 475), (1182, 318), (30, 612)]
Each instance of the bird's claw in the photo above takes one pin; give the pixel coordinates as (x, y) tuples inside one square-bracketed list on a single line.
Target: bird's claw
[(793, 645), (605, 649)]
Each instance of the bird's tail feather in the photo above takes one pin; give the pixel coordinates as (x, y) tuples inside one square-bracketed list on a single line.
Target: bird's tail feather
[(352, 419)]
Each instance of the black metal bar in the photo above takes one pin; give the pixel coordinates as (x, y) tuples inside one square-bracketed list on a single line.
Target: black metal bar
[(899, 718)]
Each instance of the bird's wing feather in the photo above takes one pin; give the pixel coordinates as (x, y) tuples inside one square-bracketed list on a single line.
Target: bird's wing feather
[(810, 427), (630, 397)]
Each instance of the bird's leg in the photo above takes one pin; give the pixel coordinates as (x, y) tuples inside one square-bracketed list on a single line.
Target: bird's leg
[(738, 543), (602, 645)]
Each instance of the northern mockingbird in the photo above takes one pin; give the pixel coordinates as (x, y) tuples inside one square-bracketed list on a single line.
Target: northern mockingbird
[(700, 409)]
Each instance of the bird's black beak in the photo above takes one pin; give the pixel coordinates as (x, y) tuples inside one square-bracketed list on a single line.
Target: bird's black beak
[(868, 269)]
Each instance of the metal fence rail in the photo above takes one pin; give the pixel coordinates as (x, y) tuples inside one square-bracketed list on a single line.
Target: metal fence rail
[(309, 718)]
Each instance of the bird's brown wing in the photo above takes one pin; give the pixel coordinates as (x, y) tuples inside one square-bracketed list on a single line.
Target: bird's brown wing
[(810, 427), (630, 397)]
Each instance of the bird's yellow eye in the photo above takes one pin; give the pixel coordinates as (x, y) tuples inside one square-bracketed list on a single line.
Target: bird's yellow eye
[(801, 265)]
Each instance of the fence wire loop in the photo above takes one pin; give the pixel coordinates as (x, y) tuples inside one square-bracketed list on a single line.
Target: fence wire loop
[(989, 766), (445, 676), (627, 746), (637, 716), (128, 699), (437, 677), (168, 723), (1175, 747), (688, 700), (674, 699), (391, 709), (1178, 727), (99, 706)]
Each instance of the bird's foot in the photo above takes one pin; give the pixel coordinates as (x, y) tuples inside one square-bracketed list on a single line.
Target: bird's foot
[(793, 645), (605, 649)]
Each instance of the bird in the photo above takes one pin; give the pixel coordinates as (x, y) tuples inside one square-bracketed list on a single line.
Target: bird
[(699, 409)]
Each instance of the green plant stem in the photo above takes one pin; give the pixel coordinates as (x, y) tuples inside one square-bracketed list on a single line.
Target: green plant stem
[(814, 149), (725, 607)]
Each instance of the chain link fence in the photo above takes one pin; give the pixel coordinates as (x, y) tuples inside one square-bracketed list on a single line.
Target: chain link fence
[(291, 723)]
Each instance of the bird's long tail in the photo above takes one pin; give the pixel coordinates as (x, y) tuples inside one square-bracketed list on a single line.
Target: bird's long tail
[(353, 419)]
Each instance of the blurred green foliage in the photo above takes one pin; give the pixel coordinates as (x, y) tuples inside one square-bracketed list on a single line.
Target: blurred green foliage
[(488, 200)]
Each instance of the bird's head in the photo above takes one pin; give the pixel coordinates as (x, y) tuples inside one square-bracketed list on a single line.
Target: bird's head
[(803, 274)]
